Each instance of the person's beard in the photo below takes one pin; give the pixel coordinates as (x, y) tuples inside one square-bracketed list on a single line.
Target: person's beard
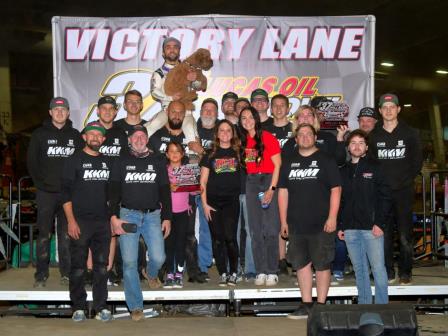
[(172, 59), (95, 146), (208, 122), (173, 125)]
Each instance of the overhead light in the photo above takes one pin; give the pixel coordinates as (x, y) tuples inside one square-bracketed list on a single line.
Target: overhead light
[(407, 105), (387, 64), (442, 72)]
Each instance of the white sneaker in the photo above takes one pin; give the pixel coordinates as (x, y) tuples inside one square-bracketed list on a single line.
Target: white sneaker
[(260, 279), (271, 280)]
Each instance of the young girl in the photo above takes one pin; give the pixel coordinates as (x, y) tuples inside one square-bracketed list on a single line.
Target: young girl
[(175, 242), (261, 156), (220, 190)]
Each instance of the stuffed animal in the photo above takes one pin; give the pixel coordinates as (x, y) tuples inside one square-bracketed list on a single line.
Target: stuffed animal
[(177, 82)]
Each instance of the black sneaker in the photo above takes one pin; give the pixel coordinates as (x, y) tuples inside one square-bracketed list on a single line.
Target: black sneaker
[(301, 312), (222, 280), (40, 282), (112, 279), (199, 278), (232, 279), (205, 276), (64, 280), (283, 267)]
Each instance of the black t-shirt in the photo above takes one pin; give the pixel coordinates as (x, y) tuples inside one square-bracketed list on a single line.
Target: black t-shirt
[(267, 123), (121, 123), (309, 181), (160, 140), (225, 175), (283, 133), (139, 183), (116, 142), (206, 135), (84, 183)]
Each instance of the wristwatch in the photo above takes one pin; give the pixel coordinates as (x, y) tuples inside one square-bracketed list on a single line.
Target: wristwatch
[(273, 188)]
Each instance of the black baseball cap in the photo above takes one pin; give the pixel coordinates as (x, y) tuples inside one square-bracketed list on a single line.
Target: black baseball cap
[(229, 95), (388, 98), (59, 102), (107, 100), (137, 128), (318, 100), (368, 112)]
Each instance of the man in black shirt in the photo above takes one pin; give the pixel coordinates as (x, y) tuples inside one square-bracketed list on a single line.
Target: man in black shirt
[(259, 99), (133, 104), (158, 143), (282, 129), (139, 193), (172, 131), (114, 144), (206, 130), (84, 185), (50, 146), (397, 146), (309, 196)]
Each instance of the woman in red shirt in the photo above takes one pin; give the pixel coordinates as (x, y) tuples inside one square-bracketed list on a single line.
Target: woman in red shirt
[(262, 160)]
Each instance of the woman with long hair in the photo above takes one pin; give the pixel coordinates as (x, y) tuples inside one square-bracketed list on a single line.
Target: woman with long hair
[(260, 154), (220, 190)]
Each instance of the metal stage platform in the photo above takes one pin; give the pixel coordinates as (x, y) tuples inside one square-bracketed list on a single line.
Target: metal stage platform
[(16, 286)]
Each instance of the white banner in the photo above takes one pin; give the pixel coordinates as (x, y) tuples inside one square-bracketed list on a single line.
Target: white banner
[(300, 57)]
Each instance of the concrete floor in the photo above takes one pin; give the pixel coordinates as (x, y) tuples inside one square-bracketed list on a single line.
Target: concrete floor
[(429, 325)]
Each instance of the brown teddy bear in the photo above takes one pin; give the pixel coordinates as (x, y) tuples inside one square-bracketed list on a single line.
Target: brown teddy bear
[(177, 82)]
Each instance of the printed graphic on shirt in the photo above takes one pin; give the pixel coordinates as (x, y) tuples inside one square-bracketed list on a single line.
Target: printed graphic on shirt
[(251, 155), (112, 150), (95, 174), (399, 152), (225, 165), (303, 173), (148, 176), (60, 151)]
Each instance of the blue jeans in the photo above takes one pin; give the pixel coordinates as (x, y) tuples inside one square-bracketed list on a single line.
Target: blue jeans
[(359, 244), (149, 226), (205, 252), (249, 265), (340, 256)]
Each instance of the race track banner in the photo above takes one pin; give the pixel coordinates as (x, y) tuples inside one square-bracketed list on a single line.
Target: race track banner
[(300, 57)]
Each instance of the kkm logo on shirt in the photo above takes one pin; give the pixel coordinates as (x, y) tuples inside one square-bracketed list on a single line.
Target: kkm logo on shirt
[(301, 174), (225, 165), (59, 151), (392, 154), (140, 177), (96, 175)]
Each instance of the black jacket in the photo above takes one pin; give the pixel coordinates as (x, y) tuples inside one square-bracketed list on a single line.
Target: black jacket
[(400, 153), (48, 149), (366, 199)]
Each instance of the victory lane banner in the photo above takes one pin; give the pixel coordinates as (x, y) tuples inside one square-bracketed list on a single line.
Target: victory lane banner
[(300, 57)]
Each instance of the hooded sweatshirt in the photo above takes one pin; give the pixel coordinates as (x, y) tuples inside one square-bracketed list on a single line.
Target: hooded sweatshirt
[(48, 149), (400, 153)]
